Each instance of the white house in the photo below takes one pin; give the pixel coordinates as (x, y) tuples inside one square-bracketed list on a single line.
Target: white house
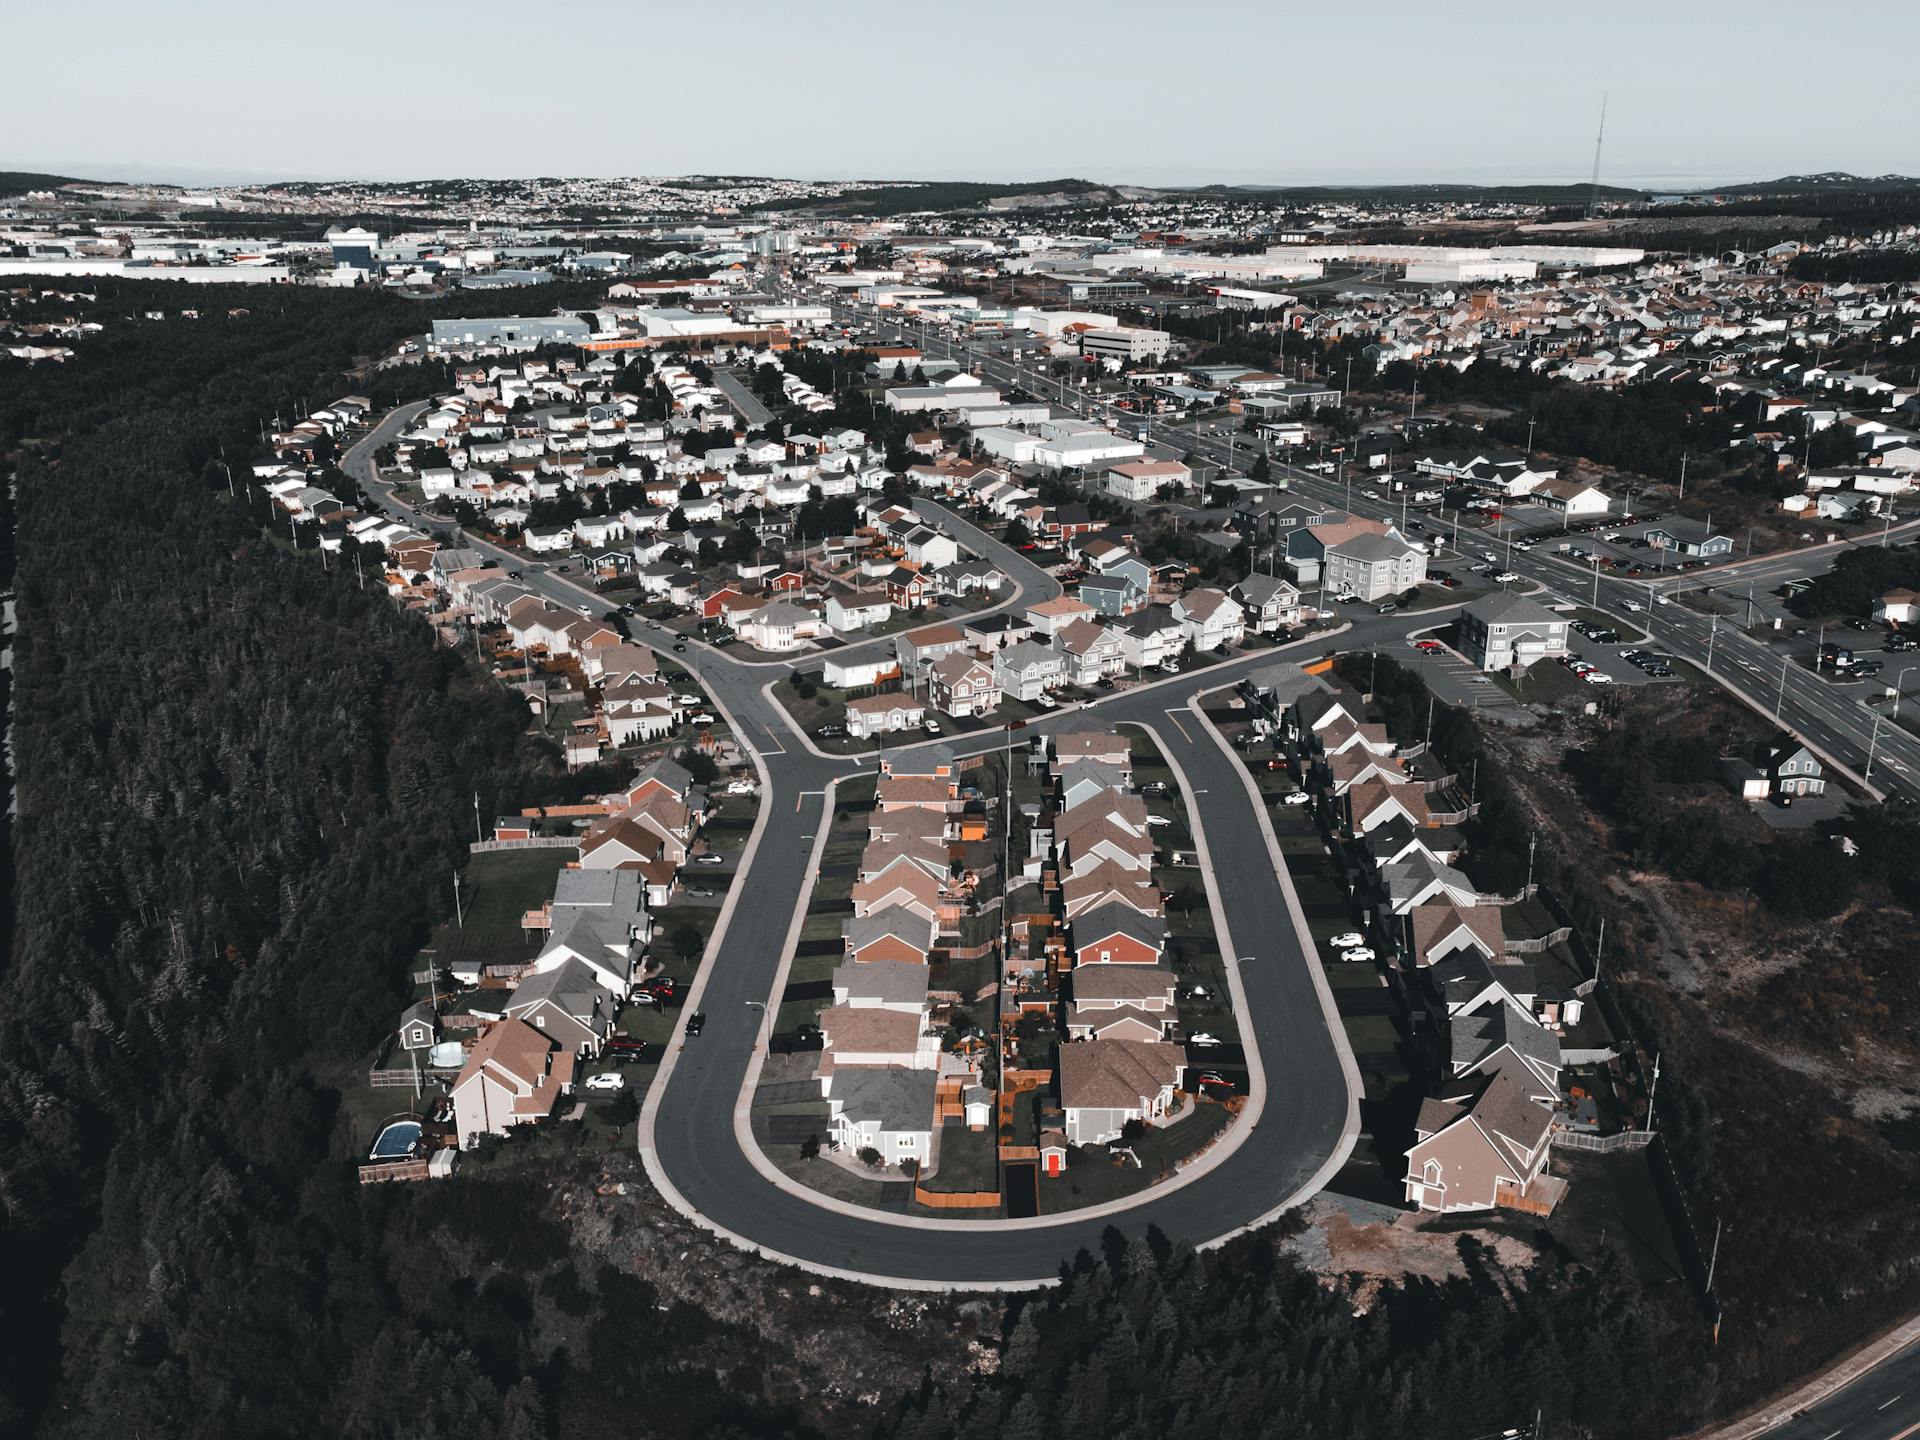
[(1211, 619)]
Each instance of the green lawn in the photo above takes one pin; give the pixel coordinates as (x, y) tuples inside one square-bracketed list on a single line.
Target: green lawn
[(969, 1161), (496, 889), (1093, 1178)]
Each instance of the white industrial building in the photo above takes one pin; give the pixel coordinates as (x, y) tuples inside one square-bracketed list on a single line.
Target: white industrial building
[(1127, 342)]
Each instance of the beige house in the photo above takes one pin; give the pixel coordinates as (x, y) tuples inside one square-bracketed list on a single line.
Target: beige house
[(514, 1075), (1106, 1083)]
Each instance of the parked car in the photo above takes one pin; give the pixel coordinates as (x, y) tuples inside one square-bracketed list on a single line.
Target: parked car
[(1357, 954), (831, 732), (696, 1022), (700, 894), (1158, 820), (1596, 677), (700, 717), (1204, 1039), (1212, 1082), (930, 725), (1154, 787), (607, 1080), (1505, 577), (661, 987), (709, 859), (1296, 797), (1347, 939)]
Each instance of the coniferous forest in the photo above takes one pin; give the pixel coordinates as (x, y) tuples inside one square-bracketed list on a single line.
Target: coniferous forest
[(243, 785)]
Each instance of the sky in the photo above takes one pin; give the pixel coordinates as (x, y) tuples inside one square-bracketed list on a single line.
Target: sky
[(1123, 91)]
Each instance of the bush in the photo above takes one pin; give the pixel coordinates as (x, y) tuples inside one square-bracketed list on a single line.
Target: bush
[(869, 1157), (1807, 881)]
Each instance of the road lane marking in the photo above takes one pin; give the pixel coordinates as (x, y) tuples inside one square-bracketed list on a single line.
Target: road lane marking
[(1894, 1401), (1175, 717)]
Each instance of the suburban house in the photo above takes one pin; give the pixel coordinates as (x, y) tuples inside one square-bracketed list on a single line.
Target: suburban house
[(1210, 619), (963, 684), (568, 1004), (857, 609), (1795, 770), (1092, 651), (870, 715), (1028, 669), (875, 1035), (1507, 631), (1117, 934), (883, 1108), (1105, 1083), (514, 1075), (1482, 1145), (1270, 603), (1120, 1002)]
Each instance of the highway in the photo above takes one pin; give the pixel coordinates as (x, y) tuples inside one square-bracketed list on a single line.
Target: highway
[(1829, 717)]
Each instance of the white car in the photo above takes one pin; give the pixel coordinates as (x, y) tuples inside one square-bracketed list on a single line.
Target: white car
[(1596, 677), (1505, 577), (699, 717), (686, 700), (1297, 797), (1633, 605), (607, 1080), (1158, 820), (1203, 1038), (1357, 953), (1347, 940), (1045, 702), (741, 787)]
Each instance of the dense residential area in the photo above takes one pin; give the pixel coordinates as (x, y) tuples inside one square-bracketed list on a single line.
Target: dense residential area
[(1270, 787)]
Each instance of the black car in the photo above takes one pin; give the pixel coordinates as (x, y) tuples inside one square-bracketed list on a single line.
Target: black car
[(680, 647), (696, 1022)]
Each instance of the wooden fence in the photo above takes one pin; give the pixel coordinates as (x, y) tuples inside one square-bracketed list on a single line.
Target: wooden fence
[(532, 842), (956, 1199)]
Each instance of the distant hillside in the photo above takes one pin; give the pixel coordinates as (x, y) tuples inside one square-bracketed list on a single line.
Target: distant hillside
[(1826, 182), (19, 182), (1438, 194), (901, 199)]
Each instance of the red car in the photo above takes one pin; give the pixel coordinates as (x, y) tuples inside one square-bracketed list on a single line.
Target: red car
[(1428, 645), (1212, 1082)]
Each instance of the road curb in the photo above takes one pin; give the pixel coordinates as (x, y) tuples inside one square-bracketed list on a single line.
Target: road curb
[(1329, 1008), (1778, 1411)]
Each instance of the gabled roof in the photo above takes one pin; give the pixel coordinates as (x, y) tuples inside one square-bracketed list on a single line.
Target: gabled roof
[(1116, 1074), (1103, 922)]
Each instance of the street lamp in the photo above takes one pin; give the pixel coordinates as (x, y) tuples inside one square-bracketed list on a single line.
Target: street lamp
[(1898, 681), (1873, 744)]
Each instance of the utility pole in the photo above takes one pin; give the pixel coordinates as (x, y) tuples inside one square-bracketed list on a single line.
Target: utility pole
[(478, 833), (1873, 744), (1653, 1090), (1600, 948), (1781, 698), (459, 916), (1714, 1261), (1712, 634)]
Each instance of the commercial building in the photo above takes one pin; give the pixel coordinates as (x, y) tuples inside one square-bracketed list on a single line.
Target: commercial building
[(511, 332), (1505, 631), (1127, 343)]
